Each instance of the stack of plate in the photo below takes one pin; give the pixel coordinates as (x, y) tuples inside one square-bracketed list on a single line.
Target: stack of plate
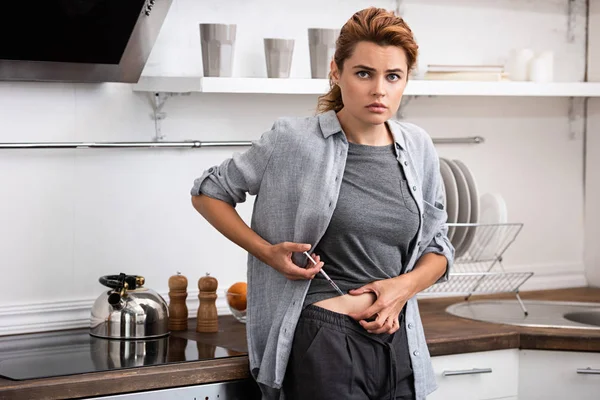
[(464, 205)]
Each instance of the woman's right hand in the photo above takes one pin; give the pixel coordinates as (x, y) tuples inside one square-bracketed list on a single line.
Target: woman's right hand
[(279, 257)]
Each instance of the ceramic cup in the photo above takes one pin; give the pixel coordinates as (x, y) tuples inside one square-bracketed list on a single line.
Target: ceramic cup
[(278, 55), (541, 68), (518, 64), (321, 43), (218, 45)]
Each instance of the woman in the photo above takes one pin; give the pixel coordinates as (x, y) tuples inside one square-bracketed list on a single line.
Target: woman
[(363, 195)]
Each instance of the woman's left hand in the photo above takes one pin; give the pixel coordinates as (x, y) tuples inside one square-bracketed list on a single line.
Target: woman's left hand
[(392, 294)]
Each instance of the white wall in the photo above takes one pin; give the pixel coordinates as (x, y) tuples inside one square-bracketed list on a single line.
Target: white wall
[(592, 211), (70, 216), (594, 42)]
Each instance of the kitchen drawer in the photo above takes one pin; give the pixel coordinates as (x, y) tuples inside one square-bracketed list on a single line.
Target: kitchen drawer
[(549, 375), (476, 376)]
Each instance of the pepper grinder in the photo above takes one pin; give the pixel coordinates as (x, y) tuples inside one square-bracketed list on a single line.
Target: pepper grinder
[(207, 320), (178, 311)]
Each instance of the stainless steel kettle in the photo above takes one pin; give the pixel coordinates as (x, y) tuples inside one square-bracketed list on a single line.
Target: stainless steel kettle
[(128, 310)]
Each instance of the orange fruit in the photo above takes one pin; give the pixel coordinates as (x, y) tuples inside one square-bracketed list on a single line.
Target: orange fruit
[(236, 295)]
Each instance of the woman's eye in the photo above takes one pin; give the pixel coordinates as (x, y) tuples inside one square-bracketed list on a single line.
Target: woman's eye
[(393, 77), (362, 74)]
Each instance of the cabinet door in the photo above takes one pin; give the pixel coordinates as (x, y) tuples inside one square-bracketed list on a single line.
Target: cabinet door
[(559, 375), (476, 376)]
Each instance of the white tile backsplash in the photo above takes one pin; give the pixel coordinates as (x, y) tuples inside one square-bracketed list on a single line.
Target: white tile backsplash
[(37, 221)]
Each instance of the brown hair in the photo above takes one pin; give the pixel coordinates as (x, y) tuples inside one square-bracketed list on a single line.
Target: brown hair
[(375, 25)]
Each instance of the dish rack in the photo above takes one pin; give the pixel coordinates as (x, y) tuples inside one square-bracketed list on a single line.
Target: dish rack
[(479, 269)]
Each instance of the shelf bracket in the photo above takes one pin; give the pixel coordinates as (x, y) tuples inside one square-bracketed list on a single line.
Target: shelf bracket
[(158, 101), (577, 117)]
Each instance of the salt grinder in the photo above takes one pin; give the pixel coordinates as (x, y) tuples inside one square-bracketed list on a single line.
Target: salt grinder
[(207, 320), (178, 311)]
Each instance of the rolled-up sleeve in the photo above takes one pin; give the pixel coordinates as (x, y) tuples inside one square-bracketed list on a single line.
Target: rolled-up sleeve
[(240, 174), (439, 242)]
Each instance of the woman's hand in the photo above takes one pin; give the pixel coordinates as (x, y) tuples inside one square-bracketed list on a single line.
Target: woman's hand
[(392, 294), (279, 257)]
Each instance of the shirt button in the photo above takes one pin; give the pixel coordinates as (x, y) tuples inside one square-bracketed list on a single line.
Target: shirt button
[(416, 353), (423, 215), (410, 325), (336, 178), (419, 243), (405, 162), (415, 188), (294, 303), (330, 203)]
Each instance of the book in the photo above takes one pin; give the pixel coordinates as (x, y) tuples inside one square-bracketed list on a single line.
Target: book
[(465, 76), (465, 68)]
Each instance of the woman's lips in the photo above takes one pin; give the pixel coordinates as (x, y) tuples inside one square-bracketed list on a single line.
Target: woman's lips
[(377, 109)]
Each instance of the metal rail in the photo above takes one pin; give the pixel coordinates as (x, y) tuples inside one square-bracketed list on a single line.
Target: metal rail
[(189, 144)]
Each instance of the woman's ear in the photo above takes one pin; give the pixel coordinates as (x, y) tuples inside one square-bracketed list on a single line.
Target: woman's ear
[(335, 73)]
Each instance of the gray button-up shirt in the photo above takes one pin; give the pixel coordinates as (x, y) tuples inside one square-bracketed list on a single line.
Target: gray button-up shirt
[(295, 170)]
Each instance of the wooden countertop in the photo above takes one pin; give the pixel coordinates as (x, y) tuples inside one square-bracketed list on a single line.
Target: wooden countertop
[(446, 334)]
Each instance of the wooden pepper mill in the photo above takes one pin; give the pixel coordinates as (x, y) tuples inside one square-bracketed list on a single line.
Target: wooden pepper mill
[(207, 310), (178, 311)]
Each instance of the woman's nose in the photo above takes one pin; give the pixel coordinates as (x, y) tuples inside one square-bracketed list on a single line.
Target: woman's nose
[(378, 88)]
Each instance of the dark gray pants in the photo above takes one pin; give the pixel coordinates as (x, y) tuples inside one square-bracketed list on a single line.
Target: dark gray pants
[(333, 357)]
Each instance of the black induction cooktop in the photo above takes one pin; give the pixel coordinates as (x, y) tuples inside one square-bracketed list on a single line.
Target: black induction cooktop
[(43, 355)]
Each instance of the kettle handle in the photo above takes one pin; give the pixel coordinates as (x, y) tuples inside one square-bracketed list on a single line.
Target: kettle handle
[(118, 281)]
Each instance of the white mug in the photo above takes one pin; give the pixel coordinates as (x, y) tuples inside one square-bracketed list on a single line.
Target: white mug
[(541, 68), (518, 64)]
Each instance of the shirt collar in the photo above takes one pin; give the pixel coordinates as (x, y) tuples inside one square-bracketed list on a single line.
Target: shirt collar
[(397, 134), (330, 125)]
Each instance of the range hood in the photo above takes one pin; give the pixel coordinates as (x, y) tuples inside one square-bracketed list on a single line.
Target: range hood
[(78, 40)]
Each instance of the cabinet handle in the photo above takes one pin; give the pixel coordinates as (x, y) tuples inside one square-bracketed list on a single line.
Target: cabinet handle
[(468, 371), (589, 371)]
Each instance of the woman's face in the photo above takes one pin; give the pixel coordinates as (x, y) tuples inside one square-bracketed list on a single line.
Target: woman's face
[(372, 82)]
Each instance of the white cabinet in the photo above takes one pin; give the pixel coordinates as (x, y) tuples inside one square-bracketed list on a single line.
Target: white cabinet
[(517, 374), (477, 376), (561, 375)]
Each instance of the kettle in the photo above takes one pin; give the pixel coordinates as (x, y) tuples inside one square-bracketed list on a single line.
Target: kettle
[(128, 310)]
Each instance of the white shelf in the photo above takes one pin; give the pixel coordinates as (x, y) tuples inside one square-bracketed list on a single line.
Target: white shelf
[(320, 86), (531, 89), (231, 85)]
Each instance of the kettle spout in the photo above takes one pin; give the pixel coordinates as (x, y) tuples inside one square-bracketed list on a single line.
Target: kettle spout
[(115, 300)]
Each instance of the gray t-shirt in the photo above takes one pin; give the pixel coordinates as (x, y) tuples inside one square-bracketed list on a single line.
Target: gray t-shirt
[(372, 226)]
